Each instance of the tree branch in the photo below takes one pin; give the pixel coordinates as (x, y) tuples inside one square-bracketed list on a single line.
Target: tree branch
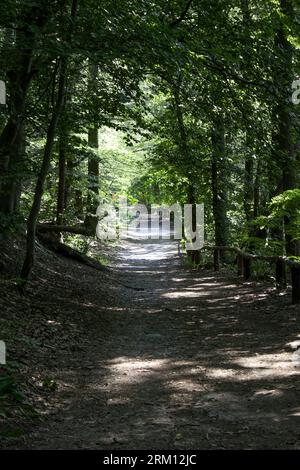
[(182, 16)]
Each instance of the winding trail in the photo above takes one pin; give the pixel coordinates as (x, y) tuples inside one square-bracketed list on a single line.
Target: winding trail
[(190, 359)]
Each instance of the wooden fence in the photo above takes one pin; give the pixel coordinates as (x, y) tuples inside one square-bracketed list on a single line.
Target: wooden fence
[(244, 262)]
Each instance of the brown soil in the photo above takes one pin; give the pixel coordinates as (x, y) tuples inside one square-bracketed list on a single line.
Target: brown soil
[(152, 355)]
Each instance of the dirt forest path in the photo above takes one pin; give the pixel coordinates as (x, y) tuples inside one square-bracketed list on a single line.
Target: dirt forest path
[(190, 360)]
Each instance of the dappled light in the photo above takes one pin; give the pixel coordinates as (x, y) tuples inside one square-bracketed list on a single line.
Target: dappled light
[(206, 368), (149, 225)]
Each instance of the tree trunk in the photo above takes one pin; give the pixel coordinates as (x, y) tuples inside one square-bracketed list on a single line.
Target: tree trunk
[(39, 190), (93, 162), (193, 255), (286, 153), (61, 193), (12, 139), (218, 173), (256, 195), (35, 209), (69, 180), (78, 203), (249, 186)]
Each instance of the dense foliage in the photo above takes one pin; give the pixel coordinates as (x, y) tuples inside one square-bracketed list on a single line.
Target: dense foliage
[(187, 101)]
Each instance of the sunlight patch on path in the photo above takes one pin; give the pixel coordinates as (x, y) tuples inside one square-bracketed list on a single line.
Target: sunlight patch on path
[(147, 250)]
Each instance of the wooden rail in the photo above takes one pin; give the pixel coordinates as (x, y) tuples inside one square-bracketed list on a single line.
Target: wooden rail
[(244, 260)]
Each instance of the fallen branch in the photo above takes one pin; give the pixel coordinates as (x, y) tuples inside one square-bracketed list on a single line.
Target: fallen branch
[(76, 229), (69, 252)]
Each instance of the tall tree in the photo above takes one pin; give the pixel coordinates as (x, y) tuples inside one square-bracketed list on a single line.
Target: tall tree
[(218, 180), (56, 114), (19, 75), (93, 158)]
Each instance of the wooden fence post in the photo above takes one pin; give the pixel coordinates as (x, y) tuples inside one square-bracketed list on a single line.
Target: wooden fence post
[(197, 257), (180, 254), (217, 260), (240, 265), (244, 264), (280, 274), (295, 272), (247, 268)]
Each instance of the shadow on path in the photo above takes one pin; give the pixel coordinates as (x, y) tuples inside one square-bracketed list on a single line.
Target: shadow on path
[(191, 360)]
